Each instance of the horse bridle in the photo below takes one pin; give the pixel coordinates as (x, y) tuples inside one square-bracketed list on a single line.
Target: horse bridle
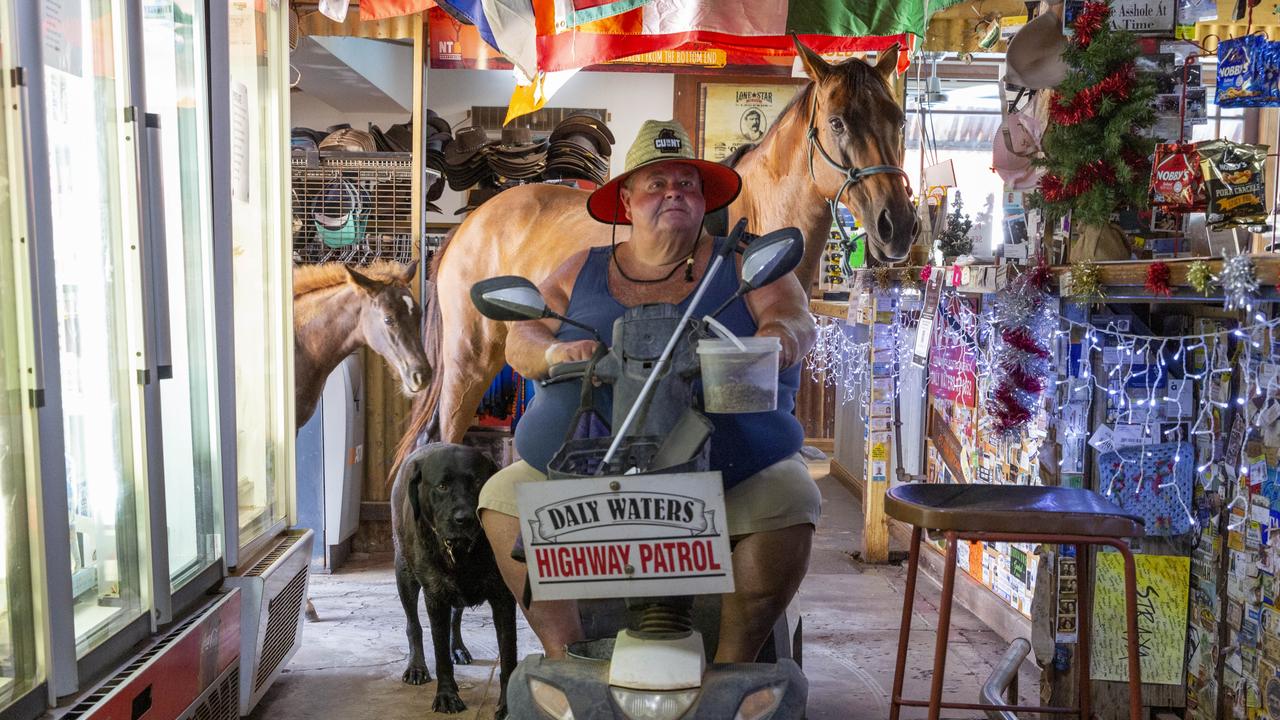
[(852, 174)]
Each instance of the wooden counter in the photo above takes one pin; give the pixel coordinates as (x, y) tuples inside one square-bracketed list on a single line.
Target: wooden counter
[(1125, 281)]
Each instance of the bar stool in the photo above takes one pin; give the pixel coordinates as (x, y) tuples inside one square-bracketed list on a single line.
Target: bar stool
[(1011, 513)]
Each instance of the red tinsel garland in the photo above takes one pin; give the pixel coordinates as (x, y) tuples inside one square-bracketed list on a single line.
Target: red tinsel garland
[(1021, 339), (1084, 105), (925, 273), (1090, 20), (1009, 414), (1023, 354), (1055, 190), (1158, 279), (1024, 380), (1040, 276)]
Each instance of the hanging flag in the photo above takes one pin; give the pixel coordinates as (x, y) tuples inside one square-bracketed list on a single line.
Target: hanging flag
[(542, 36), (508, 26), (585, 11), (383, 9), (823, 25), (531, 94)]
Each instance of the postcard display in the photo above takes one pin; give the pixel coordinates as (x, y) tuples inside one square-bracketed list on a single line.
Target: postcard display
[(1170, 410), (1175, 417)]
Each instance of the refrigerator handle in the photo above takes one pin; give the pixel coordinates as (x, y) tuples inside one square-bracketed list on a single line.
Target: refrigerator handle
[(157, 257), (37, 255)]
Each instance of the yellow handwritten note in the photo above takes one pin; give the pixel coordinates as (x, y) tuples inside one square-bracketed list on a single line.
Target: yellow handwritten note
[(1163, 582)]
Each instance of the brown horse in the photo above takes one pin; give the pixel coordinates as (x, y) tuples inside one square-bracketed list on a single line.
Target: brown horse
[(337, 310), (532, 229)]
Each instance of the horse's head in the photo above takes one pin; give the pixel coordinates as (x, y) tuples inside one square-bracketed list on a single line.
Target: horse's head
[(391, 322), (859, 125)]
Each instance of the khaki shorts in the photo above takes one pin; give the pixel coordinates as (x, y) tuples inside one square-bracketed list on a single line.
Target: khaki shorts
[(781, 495)]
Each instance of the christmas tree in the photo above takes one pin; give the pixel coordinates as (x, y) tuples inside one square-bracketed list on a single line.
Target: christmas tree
[(1097, 160), (954, 241)]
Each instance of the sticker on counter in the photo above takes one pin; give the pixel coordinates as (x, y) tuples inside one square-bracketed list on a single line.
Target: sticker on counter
[(1163, 582), (1066, 617)]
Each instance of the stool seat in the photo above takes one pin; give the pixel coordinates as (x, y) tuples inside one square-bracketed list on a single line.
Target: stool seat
[(1010, 509)]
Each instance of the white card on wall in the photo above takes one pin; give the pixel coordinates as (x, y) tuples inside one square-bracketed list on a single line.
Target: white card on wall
[(1102, 439), (1153, 17), (1178, 399), (1129, 435)]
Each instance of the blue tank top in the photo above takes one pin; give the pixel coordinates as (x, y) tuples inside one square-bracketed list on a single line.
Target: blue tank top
[(741, 444)]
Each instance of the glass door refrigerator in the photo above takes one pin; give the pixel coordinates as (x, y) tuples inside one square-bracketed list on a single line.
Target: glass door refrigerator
[(271, 564), (174, 50), (23, 641), (90, 304)]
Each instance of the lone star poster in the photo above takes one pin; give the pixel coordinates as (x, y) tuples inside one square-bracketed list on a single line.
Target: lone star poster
[(735, 115)]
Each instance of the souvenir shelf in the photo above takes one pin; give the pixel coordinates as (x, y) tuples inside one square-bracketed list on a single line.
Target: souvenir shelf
[(1182, 401)]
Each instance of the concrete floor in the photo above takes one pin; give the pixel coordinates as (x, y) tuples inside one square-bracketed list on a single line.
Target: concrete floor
[(350, 662)]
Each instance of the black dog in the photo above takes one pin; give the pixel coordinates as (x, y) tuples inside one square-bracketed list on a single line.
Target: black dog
[(441, 549)]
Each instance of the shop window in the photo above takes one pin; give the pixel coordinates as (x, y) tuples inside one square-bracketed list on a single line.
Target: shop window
[(1227, 123), (960, 128), (174, 47), (19, 667), (260, 264), (94, 212)]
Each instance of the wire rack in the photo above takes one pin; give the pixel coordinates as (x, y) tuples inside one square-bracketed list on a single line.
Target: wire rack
[(352, 207)]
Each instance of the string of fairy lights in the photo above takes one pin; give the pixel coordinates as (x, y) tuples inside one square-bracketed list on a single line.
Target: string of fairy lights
[(1176, 387)]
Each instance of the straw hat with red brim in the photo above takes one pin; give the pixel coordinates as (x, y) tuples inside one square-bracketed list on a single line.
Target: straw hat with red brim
[(662, 141)]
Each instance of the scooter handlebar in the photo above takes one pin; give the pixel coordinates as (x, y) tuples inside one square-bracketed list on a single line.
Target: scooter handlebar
[(561, 372)]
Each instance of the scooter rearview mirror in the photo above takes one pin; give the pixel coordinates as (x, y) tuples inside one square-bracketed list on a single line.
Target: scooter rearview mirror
[(766, 259), (511, 298), (771, 256), (508, 298)]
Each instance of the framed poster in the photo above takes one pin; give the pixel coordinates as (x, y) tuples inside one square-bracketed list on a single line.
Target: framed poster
[(734, 114)]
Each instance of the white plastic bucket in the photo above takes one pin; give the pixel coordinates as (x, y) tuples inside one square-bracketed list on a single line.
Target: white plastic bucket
[(738, 381)]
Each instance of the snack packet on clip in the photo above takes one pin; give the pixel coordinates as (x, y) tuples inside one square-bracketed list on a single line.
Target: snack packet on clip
[(1234, 183), (1246, 73), (1176, 182)]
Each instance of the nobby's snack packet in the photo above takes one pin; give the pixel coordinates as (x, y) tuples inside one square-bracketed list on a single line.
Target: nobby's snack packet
[(1246, 72), (1176, 183), (1234, 182)]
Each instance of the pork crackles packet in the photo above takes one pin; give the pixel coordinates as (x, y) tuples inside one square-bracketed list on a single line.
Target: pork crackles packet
[(1234, 181)]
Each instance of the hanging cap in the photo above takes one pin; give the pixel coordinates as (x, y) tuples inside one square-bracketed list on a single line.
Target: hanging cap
[(1034, 57)]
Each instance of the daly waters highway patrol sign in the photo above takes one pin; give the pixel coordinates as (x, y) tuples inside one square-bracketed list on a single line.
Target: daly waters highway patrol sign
[(629, 536)]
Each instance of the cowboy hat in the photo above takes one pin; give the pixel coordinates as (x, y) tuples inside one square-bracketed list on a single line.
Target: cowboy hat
[(1034, 57), (467, 143), (588, 125), (349, 140), (662, 141)]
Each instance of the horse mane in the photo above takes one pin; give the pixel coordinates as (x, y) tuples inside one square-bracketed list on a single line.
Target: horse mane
[(426, 404), (309, 278), (738, 153), (854, 72)]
